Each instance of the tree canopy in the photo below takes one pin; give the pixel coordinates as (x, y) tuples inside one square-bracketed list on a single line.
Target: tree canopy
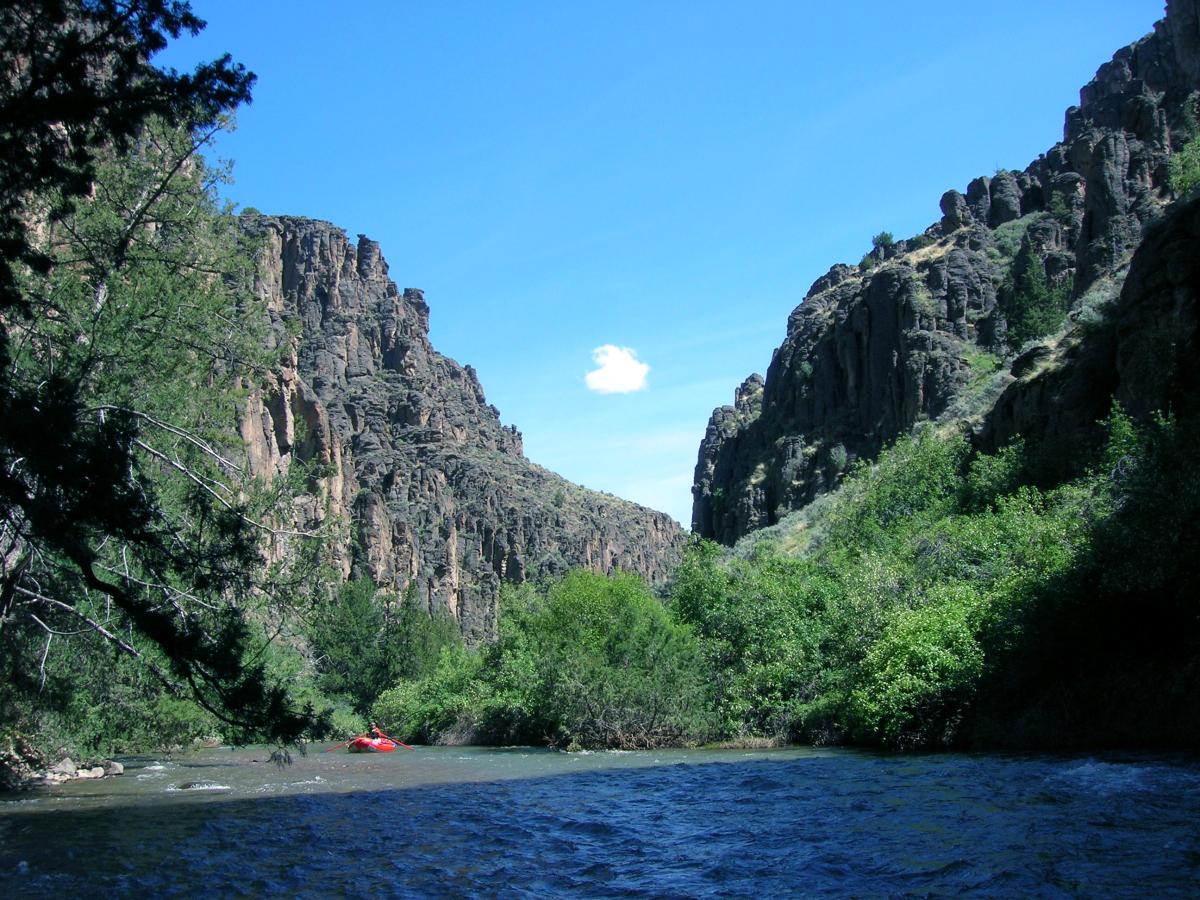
[(125, 334)]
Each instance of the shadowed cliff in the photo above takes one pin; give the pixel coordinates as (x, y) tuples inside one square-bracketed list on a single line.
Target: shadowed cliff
[(930, 328)]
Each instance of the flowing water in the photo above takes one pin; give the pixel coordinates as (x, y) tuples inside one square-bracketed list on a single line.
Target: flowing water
[(534, 823)]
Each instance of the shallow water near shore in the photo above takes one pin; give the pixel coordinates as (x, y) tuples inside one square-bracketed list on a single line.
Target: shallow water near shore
[(526, 822)]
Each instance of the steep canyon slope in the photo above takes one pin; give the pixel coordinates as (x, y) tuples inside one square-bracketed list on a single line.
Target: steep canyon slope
[(925, 329), (436, 491)]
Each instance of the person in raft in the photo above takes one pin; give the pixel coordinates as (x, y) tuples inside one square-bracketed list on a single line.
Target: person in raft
[(374, 732)]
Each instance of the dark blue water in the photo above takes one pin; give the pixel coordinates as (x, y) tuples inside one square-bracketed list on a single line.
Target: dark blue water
[(454, 822)]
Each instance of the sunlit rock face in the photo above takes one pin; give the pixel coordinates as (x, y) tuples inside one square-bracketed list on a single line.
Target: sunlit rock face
[(435, 493), (875, 349)]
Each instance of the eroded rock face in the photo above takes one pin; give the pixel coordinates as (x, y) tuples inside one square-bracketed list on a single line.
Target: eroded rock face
[(437, 492), (871, 351), (1144, 355)]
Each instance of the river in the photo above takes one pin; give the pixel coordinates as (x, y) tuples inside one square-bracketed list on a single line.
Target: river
[(535, 823)]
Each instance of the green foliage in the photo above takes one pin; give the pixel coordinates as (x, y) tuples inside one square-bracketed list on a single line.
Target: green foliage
[(1184, 167), (127, 378), (1008, 238), (593, 662), (1032, 306), (916, 678), (867, 263), (758, 622), (443, 706), (883, 240), (79, 698), (124, 333), (839, 458), (77, 78), (923, 302), (365, 642), (1184, 164), (918, 477), (944, 600), (1059, 209), (950, 601), (991, 477), (981, 363)]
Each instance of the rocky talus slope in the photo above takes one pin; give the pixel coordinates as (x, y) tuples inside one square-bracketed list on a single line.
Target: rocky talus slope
[(917, 332), (436, 491)]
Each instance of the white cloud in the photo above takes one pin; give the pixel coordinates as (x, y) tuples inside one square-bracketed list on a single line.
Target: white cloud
[(620, 372)]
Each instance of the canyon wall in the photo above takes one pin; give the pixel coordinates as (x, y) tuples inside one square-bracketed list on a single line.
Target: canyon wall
[(434, 494), (919, 331)]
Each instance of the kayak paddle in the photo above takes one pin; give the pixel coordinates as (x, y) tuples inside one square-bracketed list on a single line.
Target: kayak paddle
[(345, 743), (394, 741)]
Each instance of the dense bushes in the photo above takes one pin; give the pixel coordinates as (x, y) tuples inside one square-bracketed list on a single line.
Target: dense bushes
[(939, 598), (593, 662), (948, 602), (365, 643), (758, 621), (1184, 164)]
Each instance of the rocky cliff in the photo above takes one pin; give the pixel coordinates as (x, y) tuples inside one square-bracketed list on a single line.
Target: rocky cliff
[(920, 329), (403, 446), (1143, 352)]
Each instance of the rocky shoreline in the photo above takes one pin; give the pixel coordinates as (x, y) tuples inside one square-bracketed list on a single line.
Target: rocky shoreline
[(23, 768)]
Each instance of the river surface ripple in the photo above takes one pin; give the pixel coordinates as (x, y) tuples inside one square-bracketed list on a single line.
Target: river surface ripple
[(533, 823)]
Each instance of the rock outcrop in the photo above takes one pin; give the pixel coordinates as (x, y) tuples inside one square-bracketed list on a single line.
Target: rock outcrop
[(915, 331), (402, 445), (1144, 354)]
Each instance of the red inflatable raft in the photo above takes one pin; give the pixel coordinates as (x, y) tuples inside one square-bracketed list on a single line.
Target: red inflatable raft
[(371, 745)]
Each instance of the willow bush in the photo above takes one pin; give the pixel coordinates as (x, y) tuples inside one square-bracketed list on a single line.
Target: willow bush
[(592, 661)]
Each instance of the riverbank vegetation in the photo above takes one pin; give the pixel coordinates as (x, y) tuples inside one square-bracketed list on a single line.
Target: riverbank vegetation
[(942, 598), (133, 588), (952, 598), (590, 661)]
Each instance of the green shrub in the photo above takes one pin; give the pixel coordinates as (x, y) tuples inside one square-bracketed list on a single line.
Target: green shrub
[(1094, 309), (1059, 209), (1185, 168), (839, 458), (448, 702), (1008, 238), (948, 600), (759, 628), (365, 642), (613, 669), (918, 475), (992, 476), (594, 661), (1032, 306), (1184, 164), (344, 721), (916, 678)]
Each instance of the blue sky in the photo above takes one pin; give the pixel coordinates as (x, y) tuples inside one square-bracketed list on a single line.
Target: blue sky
[(652, 183)]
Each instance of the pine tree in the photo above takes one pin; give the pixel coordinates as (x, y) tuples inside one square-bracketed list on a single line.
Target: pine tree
[(1032, 306), (123, 328)]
